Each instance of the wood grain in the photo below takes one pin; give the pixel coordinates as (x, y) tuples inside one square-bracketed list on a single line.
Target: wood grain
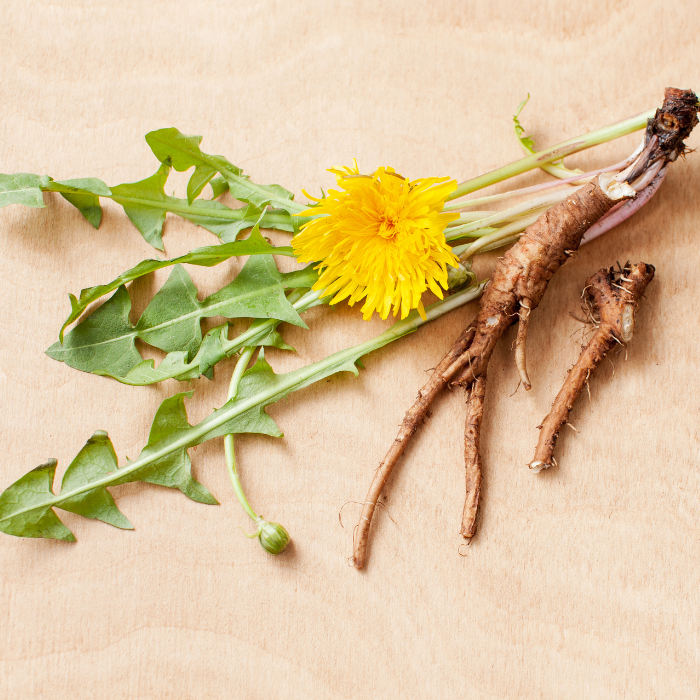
[(582, 582)]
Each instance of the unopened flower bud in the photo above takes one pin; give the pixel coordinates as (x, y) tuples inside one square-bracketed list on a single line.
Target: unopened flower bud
[(273, 537), (458, 276)]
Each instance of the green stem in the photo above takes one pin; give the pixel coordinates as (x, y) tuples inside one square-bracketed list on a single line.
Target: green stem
[(565, 148), (285, 384), (498, 238), (269, 220), (513, 214), (228, 439)]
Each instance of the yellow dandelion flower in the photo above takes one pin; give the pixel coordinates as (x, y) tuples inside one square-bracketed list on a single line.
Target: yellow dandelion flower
[(381, 239)]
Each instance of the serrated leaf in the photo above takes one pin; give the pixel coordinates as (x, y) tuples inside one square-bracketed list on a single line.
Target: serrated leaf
[(26, 506), (95, 461), (208, 256), (21, 188), (104, 343), (200, 178), (211, 352), (183, 151), (147, 204), (147, 219), (218, 186), (174, 470)]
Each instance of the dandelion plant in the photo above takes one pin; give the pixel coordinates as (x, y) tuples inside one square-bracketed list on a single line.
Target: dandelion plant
[(380, 238)]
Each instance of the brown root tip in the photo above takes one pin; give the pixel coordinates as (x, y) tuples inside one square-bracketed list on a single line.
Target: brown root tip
[(611, 297), (357, 562), (521, 342)]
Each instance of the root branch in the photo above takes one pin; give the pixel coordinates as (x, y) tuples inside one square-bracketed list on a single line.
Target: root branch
[(615, 304), (520, 361), (413, 418), (472, 457), (519, 282)]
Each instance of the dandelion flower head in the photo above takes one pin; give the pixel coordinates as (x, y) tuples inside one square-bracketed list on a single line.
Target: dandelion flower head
[(379, 238)]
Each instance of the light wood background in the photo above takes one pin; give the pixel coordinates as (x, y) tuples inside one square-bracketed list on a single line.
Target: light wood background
[(581, 583)]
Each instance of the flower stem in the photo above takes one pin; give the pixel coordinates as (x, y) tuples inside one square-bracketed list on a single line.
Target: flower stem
[(498, 238), (565, 148), (228, 440)]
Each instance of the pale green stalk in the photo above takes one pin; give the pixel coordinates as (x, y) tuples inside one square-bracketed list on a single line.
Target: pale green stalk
[(512, 215), (469, 216), (565, 148), (228, 440), (498, 238), (286, 383), (269, 220)]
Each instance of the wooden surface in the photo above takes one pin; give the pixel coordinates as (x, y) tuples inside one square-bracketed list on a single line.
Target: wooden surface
[(582, 582)]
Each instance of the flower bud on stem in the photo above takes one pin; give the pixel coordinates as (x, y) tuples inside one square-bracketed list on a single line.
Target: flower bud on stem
[(272, 536)]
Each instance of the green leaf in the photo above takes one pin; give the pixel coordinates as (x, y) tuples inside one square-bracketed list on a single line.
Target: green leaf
[(215, 347), (218, 186), (183, 152), (208, 256), (147, 219), (26, 506), (104, 343), (174, 470), (84, 194), (95, 461), (146, 203), (21, 188)]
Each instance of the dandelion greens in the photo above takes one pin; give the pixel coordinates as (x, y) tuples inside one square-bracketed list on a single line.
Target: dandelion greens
[(381, 239)]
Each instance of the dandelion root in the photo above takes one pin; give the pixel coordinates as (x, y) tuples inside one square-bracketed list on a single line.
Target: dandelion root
[(613, 296), (518, 284), (523, 273), (520, 341), (472, 457), (413, 418)]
